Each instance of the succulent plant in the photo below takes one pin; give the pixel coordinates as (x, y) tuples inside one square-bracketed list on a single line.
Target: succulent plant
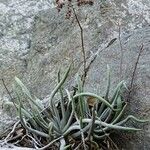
[(78, 116)]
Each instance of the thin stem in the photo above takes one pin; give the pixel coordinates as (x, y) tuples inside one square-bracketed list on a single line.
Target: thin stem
[(134, 71), (82, 44), (121, 48), (12, 131), (116, 147), (48, 145), (107, 135), (92, 124), (61, 99), (11, 98)]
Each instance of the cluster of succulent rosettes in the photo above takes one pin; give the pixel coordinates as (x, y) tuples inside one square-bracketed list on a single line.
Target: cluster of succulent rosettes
[(70, 3), (77, 118)]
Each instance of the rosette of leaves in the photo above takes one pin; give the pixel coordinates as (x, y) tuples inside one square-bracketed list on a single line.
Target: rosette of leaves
[(79, 117)]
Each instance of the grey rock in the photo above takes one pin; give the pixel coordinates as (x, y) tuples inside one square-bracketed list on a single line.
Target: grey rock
[(139, 103), (16, 28), (36, 41), (6, 146)]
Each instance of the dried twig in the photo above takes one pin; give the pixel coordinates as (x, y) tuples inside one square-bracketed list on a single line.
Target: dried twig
[(15, 137), (121, 52), (134, 71), (6, 132), (22, 138), (82, 44), (107, 135), (32, 141), (52, 142), (12, 131), (11, 98), (7, 89)]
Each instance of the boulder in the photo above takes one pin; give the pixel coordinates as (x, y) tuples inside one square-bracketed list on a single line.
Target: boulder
[(36, 41)]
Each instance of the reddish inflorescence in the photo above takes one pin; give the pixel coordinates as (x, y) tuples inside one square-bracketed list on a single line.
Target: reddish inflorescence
[(70, 3), (84, 2)]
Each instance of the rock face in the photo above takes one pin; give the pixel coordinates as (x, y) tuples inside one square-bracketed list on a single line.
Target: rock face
[(17, 19), (139, 103), (36, 41), (10, 146)]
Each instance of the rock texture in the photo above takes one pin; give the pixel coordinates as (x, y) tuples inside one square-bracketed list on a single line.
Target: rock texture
[(139, 103), (10, 146), (36, 41)]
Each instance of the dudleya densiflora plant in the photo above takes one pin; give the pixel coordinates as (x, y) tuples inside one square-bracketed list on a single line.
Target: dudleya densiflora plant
[(74, 118)]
